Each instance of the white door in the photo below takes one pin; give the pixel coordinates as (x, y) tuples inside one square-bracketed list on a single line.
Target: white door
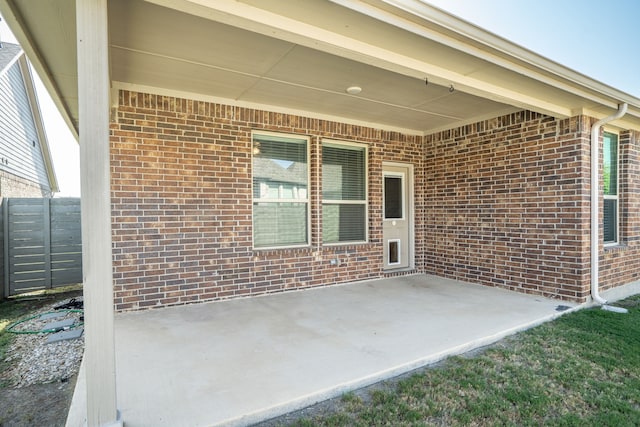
[(397, 218)]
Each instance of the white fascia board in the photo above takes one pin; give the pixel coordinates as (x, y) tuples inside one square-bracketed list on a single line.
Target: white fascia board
[(27, 77), (275, 25), (19, 29), (538, 67)]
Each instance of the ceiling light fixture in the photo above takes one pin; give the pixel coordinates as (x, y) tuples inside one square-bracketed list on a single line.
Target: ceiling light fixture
[(354, 90)]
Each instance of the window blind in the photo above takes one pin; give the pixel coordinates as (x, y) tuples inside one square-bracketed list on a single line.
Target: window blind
[(280, 195), (344, 200)]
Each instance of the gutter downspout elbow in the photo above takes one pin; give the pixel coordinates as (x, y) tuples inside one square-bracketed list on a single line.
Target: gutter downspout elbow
[(595, 200)]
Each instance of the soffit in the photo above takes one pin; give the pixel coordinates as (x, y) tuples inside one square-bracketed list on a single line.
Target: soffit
[(46, 30), (156, 46), (273, 65), (300, 57)]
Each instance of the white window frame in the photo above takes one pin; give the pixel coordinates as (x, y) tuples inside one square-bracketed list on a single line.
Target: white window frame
[(615, 197), (307, 200), (405, 206), (354, 145)]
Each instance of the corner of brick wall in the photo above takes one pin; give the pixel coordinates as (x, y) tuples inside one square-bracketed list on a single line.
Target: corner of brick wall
[(507, 204)]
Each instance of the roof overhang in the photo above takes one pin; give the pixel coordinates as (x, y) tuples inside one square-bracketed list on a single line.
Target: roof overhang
[(420, 69), (39, 123), (18, 57)]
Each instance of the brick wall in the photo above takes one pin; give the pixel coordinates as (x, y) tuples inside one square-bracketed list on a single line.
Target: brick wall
[(504, 202), (182, 201), (14, 186), (507, 204), (621, 264)]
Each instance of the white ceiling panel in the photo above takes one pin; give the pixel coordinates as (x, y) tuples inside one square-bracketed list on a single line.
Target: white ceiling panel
[(308, 67), (154, 46), (149, 70), (342, 105), (462, 105), (145, 27)]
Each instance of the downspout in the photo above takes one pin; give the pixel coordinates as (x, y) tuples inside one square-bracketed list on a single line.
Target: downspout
[(595, 200)]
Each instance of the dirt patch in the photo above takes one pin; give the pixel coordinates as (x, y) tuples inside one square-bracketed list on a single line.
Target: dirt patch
[(37, 379), (36, 405)]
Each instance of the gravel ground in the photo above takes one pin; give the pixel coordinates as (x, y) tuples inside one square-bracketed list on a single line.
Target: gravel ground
[(41, 377), (33, 361)]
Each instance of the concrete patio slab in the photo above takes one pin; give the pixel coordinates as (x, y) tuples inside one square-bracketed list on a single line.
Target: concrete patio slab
[(241, 361)]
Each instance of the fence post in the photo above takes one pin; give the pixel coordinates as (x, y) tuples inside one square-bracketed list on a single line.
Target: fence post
[(46, 227), (5, 225), (3, 264)]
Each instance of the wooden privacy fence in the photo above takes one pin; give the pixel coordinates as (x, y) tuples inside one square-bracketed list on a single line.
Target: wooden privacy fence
[(42, 244)]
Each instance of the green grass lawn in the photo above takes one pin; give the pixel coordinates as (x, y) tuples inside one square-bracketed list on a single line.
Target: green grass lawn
[(582, 369)]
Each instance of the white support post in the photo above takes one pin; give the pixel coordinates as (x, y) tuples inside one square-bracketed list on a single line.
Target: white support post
[(93, 94)]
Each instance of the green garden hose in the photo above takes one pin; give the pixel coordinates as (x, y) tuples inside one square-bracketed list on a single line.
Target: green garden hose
[(45, 331)]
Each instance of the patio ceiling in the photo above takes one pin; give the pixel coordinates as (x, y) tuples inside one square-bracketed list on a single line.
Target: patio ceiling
[(151, 46), (300, 57)]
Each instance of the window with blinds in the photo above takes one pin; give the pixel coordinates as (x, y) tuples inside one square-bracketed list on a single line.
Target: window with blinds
[(280, 191), (610, 181), (344, 192)]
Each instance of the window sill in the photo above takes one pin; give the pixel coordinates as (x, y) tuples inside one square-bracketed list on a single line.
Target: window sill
[(339, 244), (281, 249), (615, 247)]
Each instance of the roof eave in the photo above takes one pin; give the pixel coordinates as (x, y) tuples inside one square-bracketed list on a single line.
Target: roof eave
[(39, 124), (10, 14), (410, 15), (493, 47)]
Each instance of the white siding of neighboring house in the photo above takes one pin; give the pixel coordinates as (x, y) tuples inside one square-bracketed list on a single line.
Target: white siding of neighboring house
[(20, 152)]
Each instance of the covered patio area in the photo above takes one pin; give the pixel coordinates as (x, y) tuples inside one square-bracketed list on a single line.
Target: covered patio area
[(241, 361), (177, 103)]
